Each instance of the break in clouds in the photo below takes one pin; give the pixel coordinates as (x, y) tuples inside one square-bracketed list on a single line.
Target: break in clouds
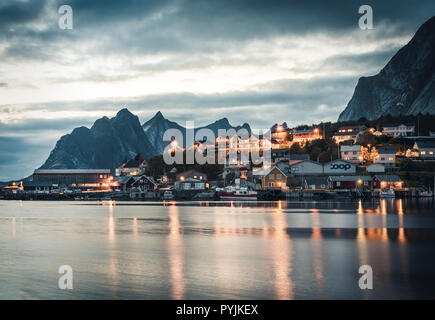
[(250, 61)]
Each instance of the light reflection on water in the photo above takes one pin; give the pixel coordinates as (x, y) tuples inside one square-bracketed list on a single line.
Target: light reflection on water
[(176, 254), (264, 250), (281, 256)]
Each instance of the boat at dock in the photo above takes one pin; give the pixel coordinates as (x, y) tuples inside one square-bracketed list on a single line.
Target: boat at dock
[(387, 193), (240, 190), (236, 193), (425, 194)]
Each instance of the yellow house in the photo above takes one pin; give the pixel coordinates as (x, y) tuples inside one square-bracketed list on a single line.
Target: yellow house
[(274, 179)]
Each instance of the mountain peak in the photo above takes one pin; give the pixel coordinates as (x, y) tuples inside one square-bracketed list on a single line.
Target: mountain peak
[(158, 116), (105, 145), (405, 86), (224, 122), (125, 116), (124, 112)]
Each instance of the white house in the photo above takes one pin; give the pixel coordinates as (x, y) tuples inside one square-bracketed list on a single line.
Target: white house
[(386, 156), (190, 184), (397, 130), (348, 133), (351, 153), (425, 149)]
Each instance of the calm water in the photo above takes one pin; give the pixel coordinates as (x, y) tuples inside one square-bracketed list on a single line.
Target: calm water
[(218, 250)]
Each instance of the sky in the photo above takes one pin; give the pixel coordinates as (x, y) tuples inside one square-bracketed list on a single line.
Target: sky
[(254, 61)]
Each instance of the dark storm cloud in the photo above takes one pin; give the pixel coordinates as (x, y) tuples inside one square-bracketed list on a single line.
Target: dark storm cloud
[(182, 25), (39, 126), (241, 19), (9, 147), (284, 91), (20, 156), (371, 61), (13, 13)]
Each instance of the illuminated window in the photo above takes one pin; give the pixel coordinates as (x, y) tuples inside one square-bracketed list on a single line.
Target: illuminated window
[(423, 152)]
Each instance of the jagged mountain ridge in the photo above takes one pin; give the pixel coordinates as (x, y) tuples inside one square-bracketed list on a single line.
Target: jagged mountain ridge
[(157, 125), (105, 145), (405, 86), (111, 141)]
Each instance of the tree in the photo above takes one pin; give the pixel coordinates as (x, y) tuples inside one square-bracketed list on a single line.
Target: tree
[(324, 157)]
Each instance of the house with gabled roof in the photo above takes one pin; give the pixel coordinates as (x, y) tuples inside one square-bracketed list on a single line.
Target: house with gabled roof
[(387, 181), (316, 183), (349, 182), (425, 149), (272, 178), (386, 156), (132, 167), (398, 129)]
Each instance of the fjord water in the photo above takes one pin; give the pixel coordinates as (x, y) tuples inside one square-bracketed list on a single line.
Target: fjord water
[(218, 250)]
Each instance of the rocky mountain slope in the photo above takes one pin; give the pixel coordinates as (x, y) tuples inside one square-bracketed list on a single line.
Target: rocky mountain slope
[(157, 125), (111, 141), (105, 145), (405, 86)]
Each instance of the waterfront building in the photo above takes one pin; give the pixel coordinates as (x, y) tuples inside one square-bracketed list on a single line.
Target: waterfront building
[(316, 183), (190, 184), (273, 178), (38, 186), (349, 182), (384, 181), (11, 187), (142, 183), (75, 177)]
